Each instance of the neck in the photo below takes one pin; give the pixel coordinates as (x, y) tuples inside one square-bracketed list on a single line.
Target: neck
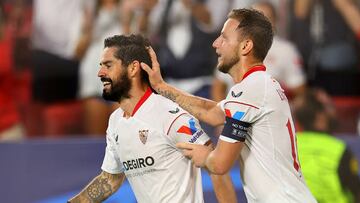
[(238, 71), (136, 93)]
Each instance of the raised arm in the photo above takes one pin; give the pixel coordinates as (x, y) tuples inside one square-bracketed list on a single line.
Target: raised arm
[(302, 8), (100, 188), (350, 12), (203, 109)]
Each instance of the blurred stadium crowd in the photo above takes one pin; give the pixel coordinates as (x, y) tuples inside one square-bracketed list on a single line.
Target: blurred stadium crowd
[(50, 50)]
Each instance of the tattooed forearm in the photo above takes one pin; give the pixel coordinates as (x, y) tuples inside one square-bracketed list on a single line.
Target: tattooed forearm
[(167, 94), (197, 106), (99, 190), (191, 110), (182, 101)]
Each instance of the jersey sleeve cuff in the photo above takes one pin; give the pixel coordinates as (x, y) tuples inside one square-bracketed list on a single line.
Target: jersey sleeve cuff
[(226, 139), (112, 171)]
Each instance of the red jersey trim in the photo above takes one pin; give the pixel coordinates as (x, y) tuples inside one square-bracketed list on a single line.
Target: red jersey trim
[(167, 133), (254, 69), (142, 100), (242, 104)]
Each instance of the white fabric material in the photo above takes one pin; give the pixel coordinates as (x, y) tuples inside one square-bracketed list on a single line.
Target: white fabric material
[(156, 170), (57, 25), (179, 34), (266, 160), (106, 24)]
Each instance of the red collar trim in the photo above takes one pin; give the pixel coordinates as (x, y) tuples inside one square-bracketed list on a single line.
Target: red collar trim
[(254, 69), (142, 100)]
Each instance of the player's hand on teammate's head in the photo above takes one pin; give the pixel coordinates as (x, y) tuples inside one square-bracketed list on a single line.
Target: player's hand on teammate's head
[(197, 153), (154, 73)]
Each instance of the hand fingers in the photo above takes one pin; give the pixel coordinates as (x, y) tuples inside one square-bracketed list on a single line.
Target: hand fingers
[(187, 153), (154, 60), (184, 145), (145, 67), (152, 53)]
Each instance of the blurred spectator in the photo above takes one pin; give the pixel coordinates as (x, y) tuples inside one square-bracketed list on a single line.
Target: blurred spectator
[(182, 32), (329, 167), (327, 34), (56, 34), (283, 62), (11, 128), (106, 21), (281, 8)]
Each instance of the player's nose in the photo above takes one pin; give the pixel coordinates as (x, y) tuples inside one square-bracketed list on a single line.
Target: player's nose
[(102, 72)]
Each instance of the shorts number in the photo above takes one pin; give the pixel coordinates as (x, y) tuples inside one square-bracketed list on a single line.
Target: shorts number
[(293, 145)]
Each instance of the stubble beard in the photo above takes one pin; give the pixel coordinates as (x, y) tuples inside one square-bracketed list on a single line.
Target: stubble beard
[(227, 65), (119, 90)]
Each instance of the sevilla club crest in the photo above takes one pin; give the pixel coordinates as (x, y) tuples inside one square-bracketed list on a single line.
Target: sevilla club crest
[(143, 134)]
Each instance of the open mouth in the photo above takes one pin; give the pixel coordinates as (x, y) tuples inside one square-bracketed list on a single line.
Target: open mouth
[(106, 84)]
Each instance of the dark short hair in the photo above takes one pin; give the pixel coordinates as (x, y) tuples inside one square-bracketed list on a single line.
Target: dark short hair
[(131, 48), (257, 27)]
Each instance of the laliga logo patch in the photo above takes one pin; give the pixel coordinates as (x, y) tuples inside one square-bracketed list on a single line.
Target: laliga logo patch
[(143, 134), (238, 114), (188, 130)]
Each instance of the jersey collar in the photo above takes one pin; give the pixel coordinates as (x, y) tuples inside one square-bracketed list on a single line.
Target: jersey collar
[(142, 100), (254, 69)]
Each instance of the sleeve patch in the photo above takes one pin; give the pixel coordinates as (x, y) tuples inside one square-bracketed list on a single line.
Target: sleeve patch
[(235, 129), (237, 115), (190, 129)]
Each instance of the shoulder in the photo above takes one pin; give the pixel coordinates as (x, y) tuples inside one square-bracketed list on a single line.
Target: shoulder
[(164, 106), (254, 90), (253, 84), (118, 113), (165, 111)]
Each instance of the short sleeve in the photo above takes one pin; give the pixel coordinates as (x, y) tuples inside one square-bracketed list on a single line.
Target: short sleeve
[(238, 116), (186, 128), (241, 109), (111, 163)]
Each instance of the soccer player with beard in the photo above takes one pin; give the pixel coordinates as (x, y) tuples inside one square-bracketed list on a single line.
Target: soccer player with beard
[(142, 135), (258, 128)]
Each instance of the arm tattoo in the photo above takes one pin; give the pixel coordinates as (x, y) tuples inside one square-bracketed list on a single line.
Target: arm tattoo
[(184, 103), (99, 190), (167, 94)]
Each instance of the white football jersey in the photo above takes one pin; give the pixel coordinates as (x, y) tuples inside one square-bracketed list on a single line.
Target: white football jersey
[(143, 147), (269, 165)]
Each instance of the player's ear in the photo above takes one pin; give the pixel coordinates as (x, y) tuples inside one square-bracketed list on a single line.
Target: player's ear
[(134, 68), (246, 46)]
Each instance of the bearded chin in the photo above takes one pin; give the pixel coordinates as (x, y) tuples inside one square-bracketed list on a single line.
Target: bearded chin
[(112, 95), (118, 91), (225, 67)]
